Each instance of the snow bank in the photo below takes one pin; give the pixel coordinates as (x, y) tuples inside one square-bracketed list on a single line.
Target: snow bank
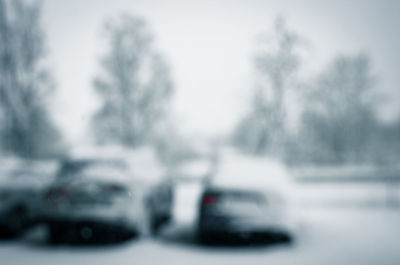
[(346, 173)]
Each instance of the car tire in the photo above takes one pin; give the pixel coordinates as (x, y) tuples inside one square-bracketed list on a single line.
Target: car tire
[(287, 238), (205, 237), (58, 234), (155, 225), (9, 233)]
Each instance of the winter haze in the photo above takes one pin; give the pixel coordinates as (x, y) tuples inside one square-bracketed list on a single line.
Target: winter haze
[(199, 132), (210, 45)]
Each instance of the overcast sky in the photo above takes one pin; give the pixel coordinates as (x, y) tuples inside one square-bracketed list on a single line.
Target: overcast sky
[(209, 45)]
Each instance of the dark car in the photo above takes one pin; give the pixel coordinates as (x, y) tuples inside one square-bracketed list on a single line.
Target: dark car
[(160, 205), (241, 201), (21, 186), (228, 213), (93, 201)]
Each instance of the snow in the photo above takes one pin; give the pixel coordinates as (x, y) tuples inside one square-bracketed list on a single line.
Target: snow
[(142, 162), (105, 173), (32, 174), (347, 172), (329, 236), (254, 173), (196, 169), (186, 201)]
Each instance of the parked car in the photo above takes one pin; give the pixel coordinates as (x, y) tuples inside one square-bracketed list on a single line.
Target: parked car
[(159, 200), (245, 198), (156, 185), (21, 184), (93, 200)]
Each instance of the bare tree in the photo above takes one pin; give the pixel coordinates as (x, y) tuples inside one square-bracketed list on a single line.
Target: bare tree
[(134, 85), (276, 63), (339, 119), (24, 83)]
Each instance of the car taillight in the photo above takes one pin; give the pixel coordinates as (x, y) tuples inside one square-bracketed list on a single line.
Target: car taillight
[(208, 200)]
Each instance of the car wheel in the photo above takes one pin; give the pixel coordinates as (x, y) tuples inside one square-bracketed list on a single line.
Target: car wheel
[(286, 238), (58, 234), (128, 233), (8, 233), (155, 225), (205, 237), (54, 236)]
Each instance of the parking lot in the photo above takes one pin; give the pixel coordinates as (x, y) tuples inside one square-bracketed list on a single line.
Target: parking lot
[(333, 235)]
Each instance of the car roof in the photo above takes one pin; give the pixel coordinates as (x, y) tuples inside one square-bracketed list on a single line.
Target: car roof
[(142, 162), (105, 170), (241, 172)]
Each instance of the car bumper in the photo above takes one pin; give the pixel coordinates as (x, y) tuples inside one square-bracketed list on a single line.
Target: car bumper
[(89, 231), (92, 222), (244, 225), (118, 221)]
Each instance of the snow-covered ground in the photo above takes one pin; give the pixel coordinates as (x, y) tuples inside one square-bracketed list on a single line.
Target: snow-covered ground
[(327, 236), (337, 224)]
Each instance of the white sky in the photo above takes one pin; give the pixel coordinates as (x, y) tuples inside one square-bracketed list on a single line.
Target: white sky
[(209, 44)]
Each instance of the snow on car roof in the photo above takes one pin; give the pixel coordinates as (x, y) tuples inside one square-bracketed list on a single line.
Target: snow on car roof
[(142, 162), (105, 172), (194, 169), (248, 172)]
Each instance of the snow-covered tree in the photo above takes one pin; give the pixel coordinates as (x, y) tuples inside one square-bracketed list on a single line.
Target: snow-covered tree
[(277, 61), (339, 119), (25, 128), (134, 85)]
